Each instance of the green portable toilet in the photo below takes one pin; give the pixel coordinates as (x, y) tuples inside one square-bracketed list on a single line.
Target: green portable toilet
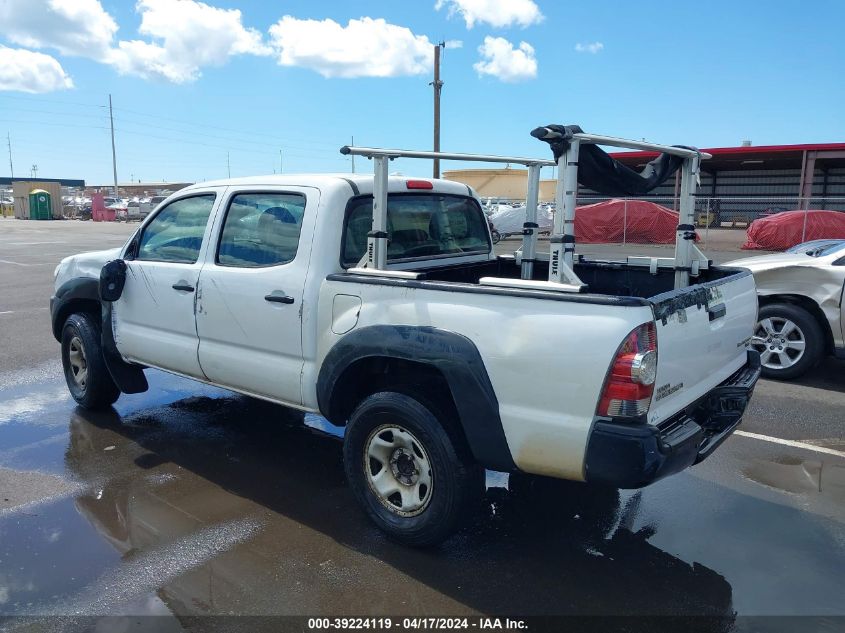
[(40, 207)]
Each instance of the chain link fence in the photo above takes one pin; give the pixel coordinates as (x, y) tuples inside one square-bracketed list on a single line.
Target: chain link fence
[(721, 222)]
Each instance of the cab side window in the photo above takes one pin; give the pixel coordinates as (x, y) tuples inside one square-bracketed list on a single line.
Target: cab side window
[(261, 229), (175, 233)]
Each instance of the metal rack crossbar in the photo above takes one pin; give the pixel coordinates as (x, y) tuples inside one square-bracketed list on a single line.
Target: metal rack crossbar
[(688, 259)]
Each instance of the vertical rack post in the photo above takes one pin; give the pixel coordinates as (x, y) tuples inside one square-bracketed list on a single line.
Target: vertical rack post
[(377, 237), (685, 233), (530, 227), (562, 243)]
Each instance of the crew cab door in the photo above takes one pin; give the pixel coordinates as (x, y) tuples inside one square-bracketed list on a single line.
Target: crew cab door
[(154, 318), (249, 308)]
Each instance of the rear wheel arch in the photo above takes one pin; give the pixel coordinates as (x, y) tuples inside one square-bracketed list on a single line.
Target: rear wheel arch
[(442, 369)]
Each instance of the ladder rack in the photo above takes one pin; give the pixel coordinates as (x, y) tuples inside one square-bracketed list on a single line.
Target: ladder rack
[(688, 259)]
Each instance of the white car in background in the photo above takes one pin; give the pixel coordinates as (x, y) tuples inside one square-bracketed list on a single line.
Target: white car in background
[(148, 204), (801, 316)]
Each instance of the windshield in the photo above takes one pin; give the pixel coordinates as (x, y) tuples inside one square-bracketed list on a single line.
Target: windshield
[(821, 249), (829, 250)]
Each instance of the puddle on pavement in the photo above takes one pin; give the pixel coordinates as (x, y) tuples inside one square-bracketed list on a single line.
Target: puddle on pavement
[(218, 504), (796, 476), (228, 504)]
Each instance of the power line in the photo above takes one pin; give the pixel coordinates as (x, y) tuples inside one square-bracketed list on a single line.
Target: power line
[(250, 136), (40, 123), (61, 101), (224, 129), (162, 118), (100, 116), (212, 136)]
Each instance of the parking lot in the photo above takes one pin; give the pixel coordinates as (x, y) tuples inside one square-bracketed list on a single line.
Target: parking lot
[(190, 501)]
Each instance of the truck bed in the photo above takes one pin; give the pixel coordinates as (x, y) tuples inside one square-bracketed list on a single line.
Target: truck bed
[(617, 279)]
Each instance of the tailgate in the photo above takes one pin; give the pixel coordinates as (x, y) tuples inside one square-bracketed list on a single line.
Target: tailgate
[(702, 332)]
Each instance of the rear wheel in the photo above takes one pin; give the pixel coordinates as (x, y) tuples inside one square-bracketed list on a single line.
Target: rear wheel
[(88, 379), (405, 471), (789, 340)]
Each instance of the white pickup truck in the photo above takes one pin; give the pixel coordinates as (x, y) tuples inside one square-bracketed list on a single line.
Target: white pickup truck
[(398, 321)]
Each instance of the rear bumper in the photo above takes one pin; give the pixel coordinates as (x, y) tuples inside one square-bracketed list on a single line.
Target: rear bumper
[(635, 454)]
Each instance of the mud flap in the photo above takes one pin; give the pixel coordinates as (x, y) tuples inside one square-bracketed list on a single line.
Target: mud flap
[(128, 378)]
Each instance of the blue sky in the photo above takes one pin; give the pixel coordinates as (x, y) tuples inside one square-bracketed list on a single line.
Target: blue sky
[(196, 84)]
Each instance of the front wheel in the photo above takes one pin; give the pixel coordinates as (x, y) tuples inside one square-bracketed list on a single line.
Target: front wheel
[(789, 340), (88, 379), (405, 471), (496, 236)]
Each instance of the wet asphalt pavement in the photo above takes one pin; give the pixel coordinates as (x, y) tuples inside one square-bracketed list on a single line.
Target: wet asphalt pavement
[(190, 501)]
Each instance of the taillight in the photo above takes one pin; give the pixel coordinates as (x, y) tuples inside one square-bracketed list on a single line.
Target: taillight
[(630, 382)]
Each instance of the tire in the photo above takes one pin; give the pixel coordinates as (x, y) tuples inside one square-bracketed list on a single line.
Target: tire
[(81, 352), (780, 353), (496, 236), (390, 439)]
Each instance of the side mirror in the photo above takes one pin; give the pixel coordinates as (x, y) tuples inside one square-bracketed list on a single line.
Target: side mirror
[(112, 280)]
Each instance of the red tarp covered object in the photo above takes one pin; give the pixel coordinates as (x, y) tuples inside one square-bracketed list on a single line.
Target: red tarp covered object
[(783, 230), (647, 222)]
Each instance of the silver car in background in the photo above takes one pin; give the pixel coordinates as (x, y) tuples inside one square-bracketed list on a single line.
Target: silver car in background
[(801, 316), (149, 205)]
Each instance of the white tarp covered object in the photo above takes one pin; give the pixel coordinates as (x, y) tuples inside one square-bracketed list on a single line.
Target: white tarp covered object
[(508, 219)]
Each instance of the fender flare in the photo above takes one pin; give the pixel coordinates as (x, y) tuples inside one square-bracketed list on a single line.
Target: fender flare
[(128, 378), (454, 355), (86, 288)]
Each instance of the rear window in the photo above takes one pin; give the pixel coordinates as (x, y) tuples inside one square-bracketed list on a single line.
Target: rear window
[(419, 226)]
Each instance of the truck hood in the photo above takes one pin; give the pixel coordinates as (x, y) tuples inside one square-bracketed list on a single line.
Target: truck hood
[(771, 262), (84, 265)]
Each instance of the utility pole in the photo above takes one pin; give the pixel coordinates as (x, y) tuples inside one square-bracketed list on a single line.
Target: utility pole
[(353, 156), (34, 171), (113, 154), (9, 143), (438, 86), (281, 162), (228, 166)]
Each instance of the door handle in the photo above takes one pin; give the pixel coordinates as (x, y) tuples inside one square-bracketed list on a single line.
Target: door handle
[(278, 298), (183, 287)]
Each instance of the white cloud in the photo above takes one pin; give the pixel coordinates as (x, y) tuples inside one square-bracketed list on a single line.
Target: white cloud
[(183, 36), (72, 27), (592, 47), (500, 59), (188, 35), (28, 71), (496, 13), (365, 47)]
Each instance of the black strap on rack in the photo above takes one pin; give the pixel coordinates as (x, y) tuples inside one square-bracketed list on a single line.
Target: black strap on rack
[(598, 171)]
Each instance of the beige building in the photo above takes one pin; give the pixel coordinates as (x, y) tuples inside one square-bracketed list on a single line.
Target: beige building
[(20, 193), (508, 184)]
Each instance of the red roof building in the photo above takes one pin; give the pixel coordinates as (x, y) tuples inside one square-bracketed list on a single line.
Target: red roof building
[(747, 181)]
